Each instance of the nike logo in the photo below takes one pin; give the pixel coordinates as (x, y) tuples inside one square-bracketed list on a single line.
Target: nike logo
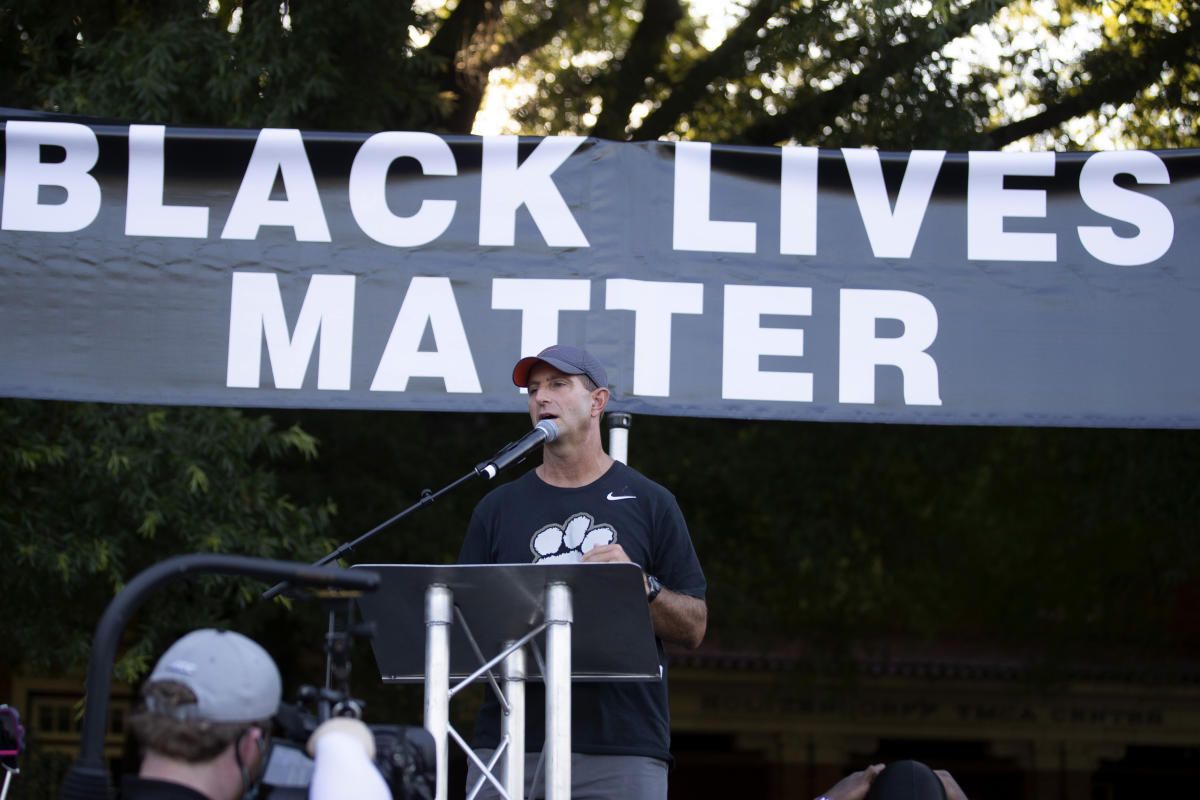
[(612, 496)]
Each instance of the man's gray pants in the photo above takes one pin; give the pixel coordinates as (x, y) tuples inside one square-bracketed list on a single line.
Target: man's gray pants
[(592, 778)]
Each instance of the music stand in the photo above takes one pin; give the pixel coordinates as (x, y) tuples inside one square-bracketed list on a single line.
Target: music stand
[(500, 609)]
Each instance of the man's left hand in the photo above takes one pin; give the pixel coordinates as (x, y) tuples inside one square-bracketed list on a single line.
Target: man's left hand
[(605, 553)]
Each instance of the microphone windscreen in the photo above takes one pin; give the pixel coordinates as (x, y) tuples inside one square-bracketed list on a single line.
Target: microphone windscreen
[(548, 427)]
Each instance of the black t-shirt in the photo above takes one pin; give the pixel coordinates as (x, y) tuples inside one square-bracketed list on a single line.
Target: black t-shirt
[(135, 788), (528, 520)]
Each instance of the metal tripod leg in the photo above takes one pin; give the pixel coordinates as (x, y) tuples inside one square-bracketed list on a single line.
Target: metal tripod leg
[(439, 613), (558, 691)]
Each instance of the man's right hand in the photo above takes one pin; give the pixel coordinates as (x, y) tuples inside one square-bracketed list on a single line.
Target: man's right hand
[(855, 785), (953, 790)]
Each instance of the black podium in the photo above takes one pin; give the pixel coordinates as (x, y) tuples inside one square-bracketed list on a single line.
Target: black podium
[(438, 623)]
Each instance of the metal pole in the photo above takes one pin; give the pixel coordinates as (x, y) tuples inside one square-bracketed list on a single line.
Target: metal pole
[(558, 691), (618, 435), (513, 724), (439, 612)]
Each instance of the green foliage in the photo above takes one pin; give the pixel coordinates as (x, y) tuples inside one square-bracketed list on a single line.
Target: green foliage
[(323, 64), (93, 494), (958, 74), (1073, 544), (1111, 74), (895, 74)]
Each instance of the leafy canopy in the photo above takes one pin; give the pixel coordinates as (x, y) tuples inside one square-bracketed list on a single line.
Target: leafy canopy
[(93, 494), (896, 74)]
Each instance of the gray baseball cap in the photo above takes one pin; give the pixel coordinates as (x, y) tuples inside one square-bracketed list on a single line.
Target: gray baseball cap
[(233, 677), (566, 359)]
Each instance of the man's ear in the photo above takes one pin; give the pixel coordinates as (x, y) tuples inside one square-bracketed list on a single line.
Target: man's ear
[(600, 401), (251, 743)]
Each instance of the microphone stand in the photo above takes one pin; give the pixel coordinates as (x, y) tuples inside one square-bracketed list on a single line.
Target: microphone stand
[(427, 497), (488, 469)]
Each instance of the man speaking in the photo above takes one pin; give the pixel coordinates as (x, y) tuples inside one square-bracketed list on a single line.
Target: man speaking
[(581, 505)]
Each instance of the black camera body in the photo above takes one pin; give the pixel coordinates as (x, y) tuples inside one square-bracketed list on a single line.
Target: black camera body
[(407, 757), (404, 754)]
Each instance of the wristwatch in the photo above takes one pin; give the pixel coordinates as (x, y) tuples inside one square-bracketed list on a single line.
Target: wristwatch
[(655, 588)]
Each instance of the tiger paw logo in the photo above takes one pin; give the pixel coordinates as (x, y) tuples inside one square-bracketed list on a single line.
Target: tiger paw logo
[(566, 543)]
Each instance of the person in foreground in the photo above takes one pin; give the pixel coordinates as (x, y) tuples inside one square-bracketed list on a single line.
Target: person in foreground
[(204, 726), (580, 505), (900, 780)]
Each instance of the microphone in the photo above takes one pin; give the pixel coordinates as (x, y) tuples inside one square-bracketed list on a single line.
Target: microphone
[(545, 431)]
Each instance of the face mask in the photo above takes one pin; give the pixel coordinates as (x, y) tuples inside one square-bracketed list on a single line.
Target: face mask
[(252, 785)]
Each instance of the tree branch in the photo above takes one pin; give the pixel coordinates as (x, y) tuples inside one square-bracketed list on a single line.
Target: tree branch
[(536, 36), (460, 45), (727, 60), (641, 59), (1130, 70), (807, 112)]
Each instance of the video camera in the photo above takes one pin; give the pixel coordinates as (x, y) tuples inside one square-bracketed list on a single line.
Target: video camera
[(404, 754)]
